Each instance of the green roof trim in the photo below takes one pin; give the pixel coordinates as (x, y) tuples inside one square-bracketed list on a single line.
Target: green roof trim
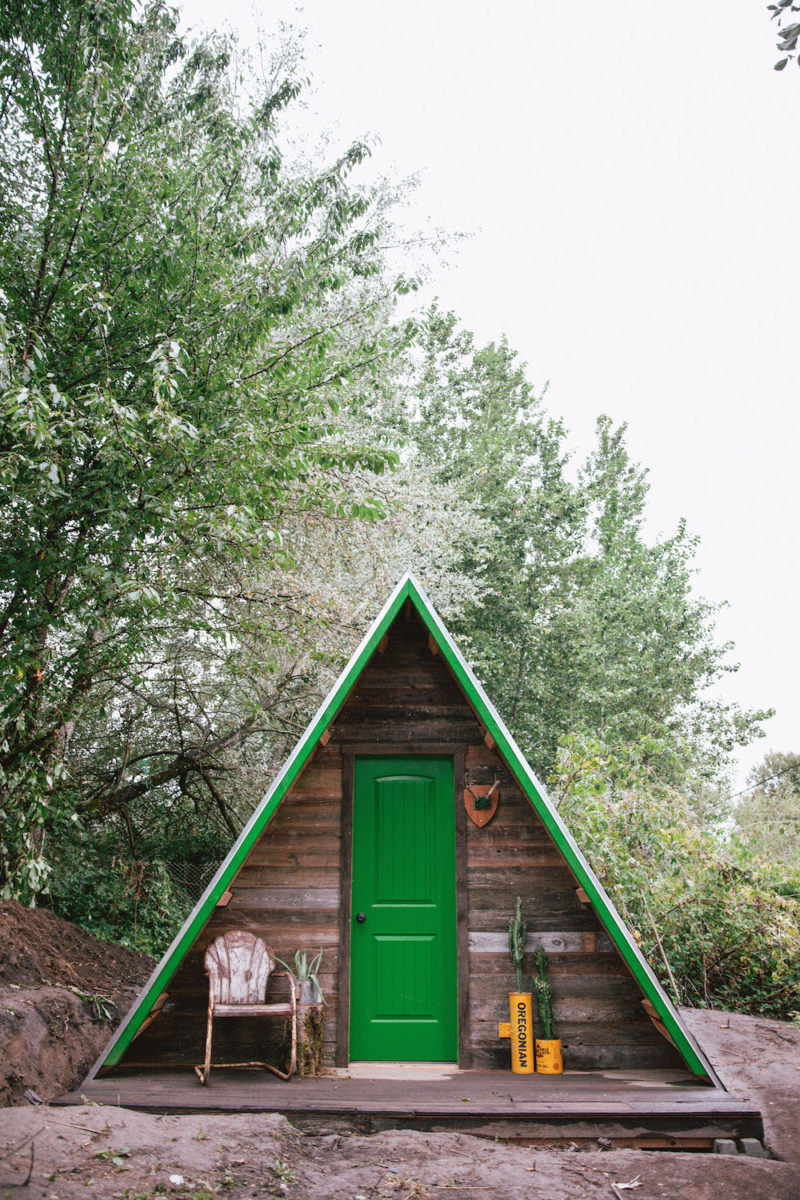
[(408, 589)]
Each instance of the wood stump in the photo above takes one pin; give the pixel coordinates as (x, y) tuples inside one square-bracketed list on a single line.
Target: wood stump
[(310, 1039)]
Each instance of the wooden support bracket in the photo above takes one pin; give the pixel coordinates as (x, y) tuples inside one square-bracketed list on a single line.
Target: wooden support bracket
[(151, 1016), (434, 649), (225, 899), (583, 897), (489, 740), (648, 1007), (325, 736), (383, 643)]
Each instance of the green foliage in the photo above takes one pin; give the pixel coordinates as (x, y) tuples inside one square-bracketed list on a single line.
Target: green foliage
[(306, 968), (180, 319), (645, 648), (201, 385), (135, 903), (516, 942), (102, 1007), (714, 927), (592, 644), (477, 420), (578, 623), (768, 816), (543, 991), (140, 894), (733, 942)]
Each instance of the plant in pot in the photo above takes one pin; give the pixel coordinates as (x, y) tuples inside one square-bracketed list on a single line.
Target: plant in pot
[(311, 1000), (305, 973), (520, 1002), (548, 1047)]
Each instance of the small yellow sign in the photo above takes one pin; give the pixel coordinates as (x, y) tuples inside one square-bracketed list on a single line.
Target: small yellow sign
[(522, 1060)]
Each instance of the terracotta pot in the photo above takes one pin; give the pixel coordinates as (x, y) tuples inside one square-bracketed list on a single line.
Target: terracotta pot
[(548, 1056), (521, 1011)]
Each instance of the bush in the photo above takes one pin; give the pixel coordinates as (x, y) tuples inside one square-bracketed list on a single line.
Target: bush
[(721, 928), (139, 902)]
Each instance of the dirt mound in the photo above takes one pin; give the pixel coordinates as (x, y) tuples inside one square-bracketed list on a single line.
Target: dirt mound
[(40, 948), (109, 1152), (51, 1028)]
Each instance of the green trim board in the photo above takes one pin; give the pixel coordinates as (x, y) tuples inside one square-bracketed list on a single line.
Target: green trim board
[(409, 589)]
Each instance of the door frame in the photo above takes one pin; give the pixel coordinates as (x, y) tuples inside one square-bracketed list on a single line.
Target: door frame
[(415, 749)]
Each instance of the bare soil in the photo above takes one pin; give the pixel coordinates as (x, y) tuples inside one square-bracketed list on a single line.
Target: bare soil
[(117, 1154), (62, 992), (39, 948)]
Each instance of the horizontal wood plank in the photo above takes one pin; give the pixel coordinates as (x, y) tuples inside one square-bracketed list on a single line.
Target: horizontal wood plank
[(280, 899), (388, 731), (556, 943), (567, 965), (287, 875), (302, 853)]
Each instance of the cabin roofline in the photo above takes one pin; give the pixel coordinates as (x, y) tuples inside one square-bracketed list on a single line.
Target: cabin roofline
[(409, 588)]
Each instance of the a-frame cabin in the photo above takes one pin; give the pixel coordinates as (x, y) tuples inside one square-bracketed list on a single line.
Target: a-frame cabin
[(363, 847)]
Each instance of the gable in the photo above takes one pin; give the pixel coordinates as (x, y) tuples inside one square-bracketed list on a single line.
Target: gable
[(407, 686)]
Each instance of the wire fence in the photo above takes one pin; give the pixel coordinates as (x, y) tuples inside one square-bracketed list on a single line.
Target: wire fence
[(191, 878)]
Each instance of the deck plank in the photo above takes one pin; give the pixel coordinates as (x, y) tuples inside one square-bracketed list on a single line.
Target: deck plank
[(636, 1104)]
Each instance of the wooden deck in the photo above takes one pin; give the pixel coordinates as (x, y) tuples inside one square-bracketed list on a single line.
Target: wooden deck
[(657, 1109)]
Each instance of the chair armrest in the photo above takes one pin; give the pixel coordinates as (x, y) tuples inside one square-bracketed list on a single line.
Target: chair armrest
[(286, 975)]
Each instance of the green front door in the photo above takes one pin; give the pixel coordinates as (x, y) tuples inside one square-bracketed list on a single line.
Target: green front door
[(403, 981)]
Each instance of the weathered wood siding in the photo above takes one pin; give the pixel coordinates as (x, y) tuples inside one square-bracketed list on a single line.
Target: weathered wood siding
[(598, 1004), (289, 891)]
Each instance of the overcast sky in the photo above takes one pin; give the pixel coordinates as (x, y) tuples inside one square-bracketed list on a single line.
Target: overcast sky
[(629, 176)]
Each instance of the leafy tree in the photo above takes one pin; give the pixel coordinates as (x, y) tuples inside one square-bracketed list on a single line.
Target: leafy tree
[(478, 423), (768, 816), (150, 843), (788, 30), (646, 651), (590, 639), (579, 626), (180, 317), (715, 928)]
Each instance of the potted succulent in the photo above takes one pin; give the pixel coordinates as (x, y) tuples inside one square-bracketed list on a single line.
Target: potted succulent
[(548, 1047), (305, 973), (520, 1002), (310, 999)]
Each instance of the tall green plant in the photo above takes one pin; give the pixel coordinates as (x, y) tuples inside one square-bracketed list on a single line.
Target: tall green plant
[(305, 968), (544, 997), (516, 942)]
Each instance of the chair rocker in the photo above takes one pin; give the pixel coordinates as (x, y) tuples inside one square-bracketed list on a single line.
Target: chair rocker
[(239, 966)]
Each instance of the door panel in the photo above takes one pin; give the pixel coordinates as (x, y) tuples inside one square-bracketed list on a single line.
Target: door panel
[(403, 983)]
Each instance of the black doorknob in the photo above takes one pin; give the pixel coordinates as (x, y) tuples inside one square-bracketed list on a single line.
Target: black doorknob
[(361, 918)]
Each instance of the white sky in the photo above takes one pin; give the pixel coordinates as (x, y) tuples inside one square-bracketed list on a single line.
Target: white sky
[(629, 175)]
